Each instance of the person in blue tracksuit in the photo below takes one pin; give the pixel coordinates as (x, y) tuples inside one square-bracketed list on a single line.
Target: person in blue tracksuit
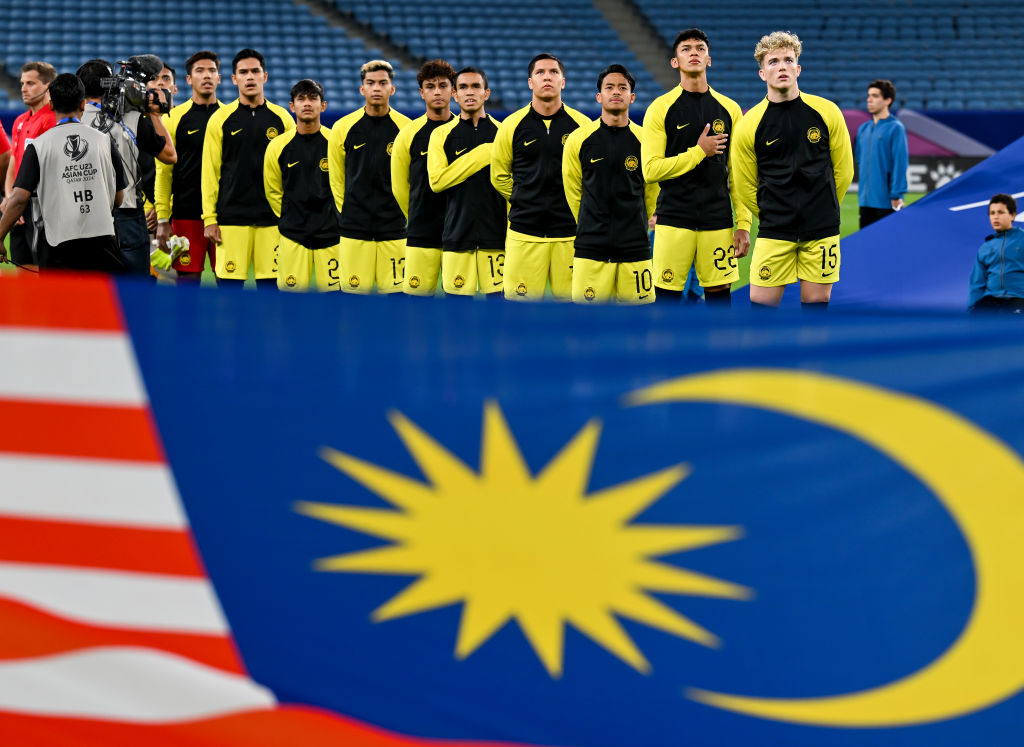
[(997, 281), (881, 151)]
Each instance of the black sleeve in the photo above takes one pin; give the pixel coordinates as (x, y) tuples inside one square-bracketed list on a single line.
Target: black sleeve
[(120, 180), (147, 139), (28, 173)]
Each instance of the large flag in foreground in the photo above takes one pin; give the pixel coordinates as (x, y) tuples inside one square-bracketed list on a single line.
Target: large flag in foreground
[(465, 523)]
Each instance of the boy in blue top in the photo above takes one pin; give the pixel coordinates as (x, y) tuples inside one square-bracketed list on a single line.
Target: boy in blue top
[(881, 151), (997, 281)]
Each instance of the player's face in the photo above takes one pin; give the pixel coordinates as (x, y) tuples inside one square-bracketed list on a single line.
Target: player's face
[(692, 56), (1000, 217), (779, 69), (470, 93), (204, 78), (377, 88), (33, 90), (547, 80), (307, 107), (437, 92), (876, 103), (249, 76), (615, 95), (164, 80)]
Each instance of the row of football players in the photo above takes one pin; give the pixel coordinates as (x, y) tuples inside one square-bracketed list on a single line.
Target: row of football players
[(545, 201)]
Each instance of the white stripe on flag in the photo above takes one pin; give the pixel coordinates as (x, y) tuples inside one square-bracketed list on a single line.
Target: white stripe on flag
[(90, 490), (118, 599), (126, 684), (79, 367)]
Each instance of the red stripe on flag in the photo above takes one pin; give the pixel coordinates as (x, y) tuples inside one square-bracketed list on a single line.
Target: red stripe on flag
[(289, 725), (97, 546), (100, 432), (30, 632), (82, 302)]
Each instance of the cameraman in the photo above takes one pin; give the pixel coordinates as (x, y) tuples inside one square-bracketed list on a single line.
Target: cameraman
[(134, 133), (76, 174)]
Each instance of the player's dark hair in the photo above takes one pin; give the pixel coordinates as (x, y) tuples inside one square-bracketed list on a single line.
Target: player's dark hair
[(1005, 199), (204, 54), (45, 70), (435, 69), (67, 92), (247, 54), (91, 73), (471, 69), (885, 87), (308, 87), (544, 56), (621, 70), (688, 34)]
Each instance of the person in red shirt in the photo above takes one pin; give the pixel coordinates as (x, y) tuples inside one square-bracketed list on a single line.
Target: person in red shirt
[(5, 155), (35, 93)]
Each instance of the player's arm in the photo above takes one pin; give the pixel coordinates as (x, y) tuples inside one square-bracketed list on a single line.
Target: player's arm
[(572, 173), (741, 213), (841, 150), (400, 160), (900, 162), (213, 154), (165, 171), (501, 158), (273, 185), (443, 175), (658, 167), (743, 166), (336, 159)]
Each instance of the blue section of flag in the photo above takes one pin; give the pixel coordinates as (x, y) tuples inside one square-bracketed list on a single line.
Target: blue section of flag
[(860, 575)]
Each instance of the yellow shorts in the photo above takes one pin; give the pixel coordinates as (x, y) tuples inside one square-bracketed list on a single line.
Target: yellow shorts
[(422, 267), (296, 263), (776, 262), (675, 250), (463, 273), (242, 245), (529, 265), (365, 262), (601, 282)]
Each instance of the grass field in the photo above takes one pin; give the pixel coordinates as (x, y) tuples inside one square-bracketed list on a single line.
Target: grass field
[(849, 224)]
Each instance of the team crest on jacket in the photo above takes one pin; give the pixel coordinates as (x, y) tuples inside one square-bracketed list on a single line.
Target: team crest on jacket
[(521, 289), (589, 293), (564, 138), (631, 163), (718, 126), (814, 135), (271, 133), (459, 281), (323, 164), (76, 148), (229, 266), (765, 272), (667, 276), (391, 145), (414, 282)]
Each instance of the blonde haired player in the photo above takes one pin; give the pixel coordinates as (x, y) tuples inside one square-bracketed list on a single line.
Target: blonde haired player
[(792, 162)]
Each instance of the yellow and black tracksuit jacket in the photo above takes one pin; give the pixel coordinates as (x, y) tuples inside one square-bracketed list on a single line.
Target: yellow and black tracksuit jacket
[(459, 166), (792, 162), (360, 165), (423, 207), (298, 188), (178, 187), (607, 194), (236, 138), (526, 169), (695, 188)]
